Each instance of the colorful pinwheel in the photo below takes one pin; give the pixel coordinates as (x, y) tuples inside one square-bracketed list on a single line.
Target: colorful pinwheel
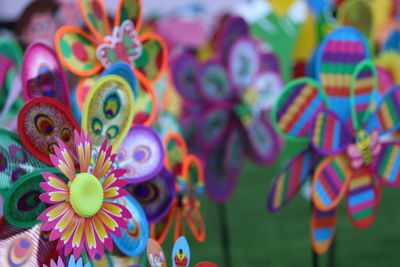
[(356, 153), (82, 213), (188, 175), (180, 254), (87, 55), (336, 61), (225, 105), (71, 263)]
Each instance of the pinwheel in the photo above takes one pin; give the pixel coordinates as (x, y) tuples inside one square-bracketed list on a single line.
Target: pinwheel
[(294, 112), (225, 100), (357, 158), (180, 254), (188, 176), (87, 55), (81, 212)]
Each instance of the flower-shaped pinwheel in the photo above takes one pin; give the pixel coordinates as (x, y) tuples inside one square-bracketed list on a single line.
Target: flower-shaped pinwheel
[(336, 60), (82, 213), (180, 254), (357, 153), (87, 56), (188, 175), (225, 100)]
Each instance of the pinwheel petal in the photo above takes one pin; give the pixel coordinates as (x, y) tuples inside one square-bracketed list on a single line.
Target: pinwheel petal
[(43, 75), (329, 134), (336, 61), (386, 117), (363, 93), (387, 164), (83, 89), (330, 181), (77, 51), (129, 10), (176, 152), (154, 58), (213, 126), (290, 180), (95, 15), (323, 227), (108, 111), (296, 107), (181, 247), (361, 198)]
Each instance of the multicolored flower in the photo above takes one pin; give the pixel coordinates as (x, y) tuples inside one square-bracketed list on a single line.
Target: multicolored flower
[(339, 75), (82, 212), (189, 179), (225, 103)]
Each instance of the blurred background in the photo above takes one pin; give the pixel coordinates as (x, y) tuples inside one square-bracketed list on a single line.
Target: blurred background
[(256, 237)]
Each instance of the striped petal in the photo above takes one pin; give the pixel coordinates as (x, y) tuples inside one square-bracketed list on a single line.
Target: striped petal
[(329, 134), (63, 161), (53, 214), (104, 160), (337, 59), (387, 164), (67, 236), (296, 107), (62, 224), (83, 149), (330, 181), (113, 180), (361, 198), (78, 240), (364, 83), (54, 197), (386, 117), (53, 183), (289, 181), (323, 227)]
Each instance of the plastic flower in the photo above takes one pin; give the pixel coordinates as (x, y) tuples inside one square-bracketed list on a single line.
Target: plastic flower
[(358, 158), (189, 178), (77, 49), (225, 103), (82, 212), (302, 99)]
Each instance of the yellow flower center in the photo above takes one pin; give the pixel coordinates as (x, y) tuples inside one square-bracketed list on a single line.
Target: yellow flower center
[(86, 195)]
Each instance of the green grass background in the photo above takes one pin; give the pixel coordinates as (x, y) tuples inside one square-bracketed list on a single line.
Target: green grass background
[(258, 238)]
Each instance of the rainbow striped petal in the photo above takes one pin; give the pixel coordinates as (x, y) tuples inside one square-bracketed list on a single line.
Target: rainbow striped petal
[(387, 164), (95, 15), (330, 181), (154, 58), (386, 117), (337, 59), (329, 135), (290, 180), (323, 227), (129, 10), (296, 107), (77, 51), (361, 198)]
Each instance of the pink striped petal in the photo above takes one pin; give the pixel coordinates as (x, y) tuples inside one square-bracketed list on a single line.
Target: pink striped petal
[(53, 183), (83, 149), (104, 160)]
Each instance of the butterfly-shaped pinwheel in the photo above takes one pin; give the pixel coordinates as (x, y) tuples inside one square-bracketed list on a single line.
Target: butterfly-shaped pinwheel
[(180, 254), (357, 158), (225, 103), (187, 171), (336, 61), (88, 55)]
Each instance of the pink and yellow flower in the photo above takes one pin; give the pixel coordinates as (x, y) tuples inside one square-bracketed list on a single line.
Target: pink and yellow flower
[(82, 212)]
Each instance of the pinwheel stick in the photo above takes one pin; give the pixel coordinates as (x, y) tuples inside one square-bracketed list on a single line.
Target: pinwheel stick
[(225, 239)]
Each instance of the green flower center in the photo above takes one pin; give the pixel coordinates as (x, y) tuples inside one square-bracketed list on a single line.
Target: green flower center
[(86, 195)]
